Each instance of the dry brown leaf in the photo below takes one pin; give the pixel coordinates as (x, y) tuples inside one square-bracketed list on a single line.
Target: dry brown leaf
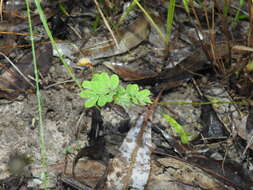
[(131, 167)]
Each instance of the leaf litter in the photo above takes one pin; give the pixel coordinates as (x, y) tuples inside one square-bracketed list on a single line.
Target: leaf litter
[(131, 167)]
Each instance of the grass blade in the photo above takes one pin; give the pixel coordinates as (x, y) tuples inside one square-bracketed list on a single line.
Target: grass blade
[(150, 20), (39, 101), (178, 128), (170, 17), (44, 22), (128, 10)]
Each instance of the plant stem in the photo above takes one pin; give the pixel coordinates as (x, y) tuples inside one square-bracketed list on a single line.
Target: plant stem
[(44, 22), (39, 101)]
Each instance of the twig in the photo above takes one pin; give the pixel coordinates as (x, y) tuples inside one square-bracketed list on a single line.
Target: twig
[(106, 23), (17, 69), (57, 83)]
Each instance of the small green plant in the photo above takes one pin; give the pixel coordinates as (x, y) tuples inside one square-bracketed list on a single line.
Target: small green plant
[(184, 136), (103, 89), (250, 66)]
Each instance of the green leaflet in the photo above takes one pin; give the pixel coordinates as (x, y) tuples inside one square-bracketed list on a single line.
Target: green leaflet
[(132, 89), (114, 82), (87, 94), (123, 100), (91, 102)]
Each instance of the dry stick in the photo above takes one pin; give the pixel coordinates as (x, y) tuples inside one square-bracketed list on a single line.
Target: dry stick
[(210, 29), (17, 69), (18, 34), (198, 28), (221, 65), (75, 31), (250, 31), (58, 83), (25, 45), (106, 23), (212, 38)]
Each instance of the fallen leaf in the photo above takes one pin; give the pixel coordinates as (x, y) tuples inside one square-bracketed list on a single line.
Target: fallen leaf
[(131, 167), (12, 83)]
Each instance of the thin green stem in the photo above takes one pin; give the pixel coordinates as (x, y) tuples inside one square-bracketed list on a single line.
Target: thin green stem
[(170, 17), (44, 22), (235, 20), (39, 101), (186, 5), (152, 22)]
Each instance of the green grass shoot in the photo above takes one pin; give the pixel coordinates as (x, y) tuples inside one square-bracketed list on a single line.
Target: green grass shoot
[(128, 10), (184, 136), (238, 16), (170, 17), (46, 27), (43, 154), (152, 22), (186, 5), (250, 66)]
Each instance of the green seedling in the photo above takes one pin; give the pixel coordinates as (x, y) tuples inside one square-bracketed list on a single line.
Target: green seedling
[(103, 89), (186, 5), (63, 10), (238, 16), (250, 66), (184, 136)]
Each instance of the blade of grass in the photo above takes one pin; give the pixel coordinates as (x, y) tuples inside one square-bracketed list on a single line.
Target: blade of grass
[(186, 5), (95, 23), (152, 22), (43, 154), (250, 66), (235, 20), (184, 136), (226, 9), (62, 8), (170, 17), (106, 23), (44, 22), (128, 10)]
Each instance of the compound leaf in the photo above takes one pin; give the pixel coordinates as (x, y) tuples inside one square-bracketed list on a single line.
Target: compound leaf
[(104, 88)]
